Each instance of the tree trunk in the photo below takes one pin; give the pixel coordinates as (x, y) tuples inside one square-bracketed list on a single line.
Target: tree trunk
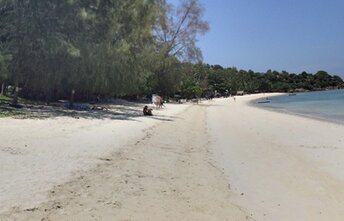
[(2, 89), (71, 101), (20, 45), (48, 96), (15, 96)]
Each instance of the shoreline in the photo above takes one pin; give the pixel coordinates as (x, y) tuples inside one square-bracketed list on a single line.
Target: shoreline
[(285, 111), (282, 167)]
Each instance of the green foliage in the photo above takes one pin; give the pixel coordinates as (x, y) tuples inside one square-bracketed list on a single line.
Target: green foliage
[(190, 88), (94, 47), (7, 112), (4, 73), (4, 114), (231, 79), (4, 98)]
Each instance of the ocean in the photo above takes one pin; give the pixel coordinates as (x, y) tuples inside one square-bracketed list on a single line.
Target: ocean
[(323, 105)]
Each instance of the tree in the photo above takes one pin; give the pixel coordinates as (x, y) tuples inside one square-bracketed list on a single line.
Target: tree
[(3, 72), (175, 35), (92, 47), (176, 29)]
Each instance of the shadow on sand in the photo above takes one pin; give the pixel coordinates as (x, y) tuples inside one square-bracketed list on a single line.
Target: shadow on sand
[(122, 111)]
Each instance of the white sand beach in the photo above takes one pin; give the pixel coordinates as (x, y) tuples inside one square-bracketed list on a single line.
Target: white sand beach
[(281, 167), (38, 154), (218, 160)]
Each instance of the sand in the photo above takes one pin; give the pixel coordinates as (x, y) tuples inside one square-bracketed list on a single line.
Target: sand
[(286, 167), (219, 160), (36, 155), (167, 174)]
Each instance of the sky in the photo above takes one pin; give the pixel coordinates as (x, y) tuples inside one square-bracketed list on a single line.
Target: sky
[(290, 35)]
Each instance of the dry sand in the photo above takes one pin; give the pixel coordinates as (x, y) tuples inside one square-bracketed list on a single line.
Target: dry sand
[(167, 174), (220, 160)]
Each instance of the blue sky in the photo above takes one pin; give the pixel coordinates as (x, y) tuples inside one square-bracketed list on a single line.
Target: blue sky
[(291, 35)]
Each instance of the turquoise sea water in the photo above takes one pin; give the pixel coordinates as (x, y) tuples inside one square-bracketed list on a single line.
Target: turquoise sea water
[(324, 105)]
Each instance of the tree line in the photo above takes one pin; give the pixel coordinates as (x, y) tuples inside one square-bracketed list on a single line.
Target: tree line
[(206, 80), (55, 49)]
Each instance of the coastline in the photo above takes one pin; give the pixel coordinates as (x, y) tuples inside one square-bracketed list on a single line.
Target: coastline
[(217, 160), (281, 166), (254, 103)]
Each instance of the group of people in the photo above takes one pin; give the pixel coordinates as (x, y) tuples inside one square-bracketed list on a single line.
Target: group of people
[(157, 101)]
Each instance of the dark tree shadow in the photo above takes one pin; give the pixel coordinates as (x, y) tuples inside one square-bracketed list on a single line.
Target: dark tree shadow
[(123, 110)]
